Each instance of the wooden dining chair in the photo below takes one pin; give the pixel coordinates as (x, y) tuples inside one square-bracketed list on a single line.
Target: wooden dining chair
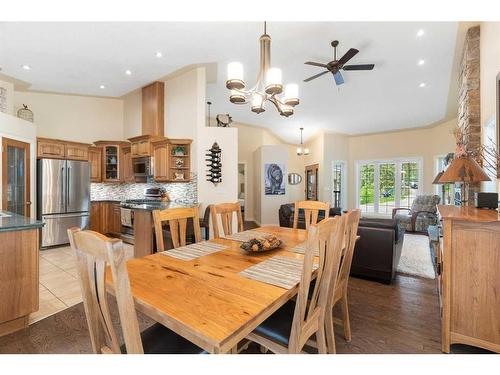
[(94, 253), (177, 219), (311, 212), (340, 291), (289, 328), (225, 211)]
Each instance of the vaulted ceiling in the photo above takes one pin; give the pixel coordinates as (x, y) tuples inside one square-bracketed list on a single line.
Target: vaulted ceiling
[(79, 58)]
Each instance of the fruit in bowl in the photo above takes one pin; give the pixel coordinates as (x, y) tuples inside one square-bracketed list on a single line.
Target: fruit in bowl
[(260, 244)]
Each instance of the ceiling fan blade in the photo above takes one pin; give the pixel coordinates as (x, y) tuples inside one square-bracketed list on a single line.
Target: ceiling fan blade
[(359, 67), (339, 80), (349, 55), (316, 76), (316, 64)]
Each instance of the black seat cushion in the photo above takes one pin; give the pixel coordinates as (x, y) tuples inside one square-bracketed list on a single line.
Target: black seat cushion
[(158, 339), (279, 325)]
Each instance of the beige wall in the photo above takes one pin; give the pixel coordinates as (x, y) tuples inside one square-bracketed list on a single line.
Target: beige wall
[(132, 114), (427, 143), (9, 87), (72, 117)]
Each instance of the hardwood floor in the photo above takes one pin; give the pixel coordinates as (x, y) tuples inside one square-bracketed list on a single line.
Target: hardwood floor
[(398, 318)]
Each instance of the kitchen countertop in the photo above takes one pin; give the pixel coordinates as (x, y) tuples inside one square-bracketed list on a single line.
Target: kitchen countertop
[(10, 221), (158, 205)]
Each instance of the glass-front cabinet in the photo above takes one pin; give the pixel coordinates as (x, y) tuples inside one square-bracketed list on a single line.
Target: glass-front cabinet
[(112, 160), (16, 172)]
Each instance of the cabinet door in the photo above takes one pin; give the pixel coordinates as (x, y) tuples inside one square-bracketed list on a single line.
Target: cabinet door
[(95, 217), (141, 148), (77, 152), (95, 161), (126, 165), (111, 164), (160, 169), (115, 223), (51, 149)]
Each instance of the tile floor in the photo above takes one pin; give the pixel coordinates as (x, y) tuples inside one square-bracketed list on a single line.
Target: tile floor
[(59, 284)]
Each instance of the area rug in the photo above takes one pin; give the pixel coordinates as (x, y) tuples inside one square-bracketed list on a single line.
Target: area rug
[(416, 257)]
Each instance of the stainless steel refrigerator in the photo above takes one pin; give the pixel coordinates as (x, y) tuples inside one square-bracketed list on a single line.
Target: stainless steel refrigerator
[(63, 198)]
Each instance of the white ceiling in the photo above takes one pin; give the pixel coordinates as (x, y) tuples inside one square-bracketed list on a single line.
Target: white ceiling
[(79, 57)]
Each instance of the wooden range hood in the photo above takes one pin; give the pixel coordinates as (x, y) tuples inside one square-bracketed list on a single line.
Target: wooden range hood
[(153, 104)]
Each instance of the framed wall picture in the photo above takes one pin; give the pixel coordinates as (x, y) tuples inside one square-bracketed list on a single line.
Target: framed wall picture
[(274, 179)]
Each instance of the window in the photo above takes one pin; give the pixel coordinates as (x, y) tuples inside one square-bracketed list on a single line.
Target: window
[(445, 191), (387, 184), (338, 184)]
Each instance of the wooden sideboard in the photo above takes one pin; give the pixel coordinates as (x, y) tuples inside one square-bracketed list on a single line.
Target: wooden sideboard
[(470, 277)]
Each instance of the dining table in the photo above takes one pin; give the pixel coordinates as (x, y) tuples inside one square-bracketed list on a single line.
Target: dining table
[(206, 300)]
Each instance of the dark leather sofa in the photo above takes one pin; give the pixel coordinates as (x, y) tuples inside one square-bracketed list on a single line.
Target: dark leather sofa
[(377, 252)]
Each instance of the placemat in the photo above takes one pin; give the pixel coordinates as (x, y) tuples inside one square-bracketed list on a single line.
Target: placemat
[(195, 250), (281, 271), (245, 235), (301, 249)]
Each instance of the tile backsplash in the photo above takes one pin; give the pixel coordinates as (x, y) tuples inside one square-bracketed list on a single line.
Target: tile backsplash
[(121, 191)]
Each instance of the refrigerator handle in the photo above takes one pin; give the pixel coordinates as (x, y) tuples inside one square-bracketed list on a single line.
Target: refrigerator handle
[(68, 188), (62, 190)]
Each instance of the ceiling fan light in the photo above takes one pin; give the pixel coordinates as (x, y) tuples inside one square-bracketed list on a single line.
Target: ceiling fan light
[(273, 81), (299, 151), (235, 76), (306, 151), (286, 110), (291, 94), (236, 97)]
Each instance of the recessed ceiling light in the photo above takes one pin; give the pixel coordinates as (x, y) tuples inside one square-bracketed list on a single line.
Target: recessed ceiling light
[(26, 67), (102, 87), (420, 32), (421, 62), (159, 54), (422, 84), (128, 72)]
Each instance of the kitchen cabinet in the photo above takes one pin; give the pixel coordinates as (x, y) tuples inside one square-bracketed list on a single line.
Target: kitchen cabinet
[(105, 218), (114, 222), (112, 164), (95, 161), (128, 172), (96, 222), (153, 103), (172, 160), (59, 149), (141, 146)]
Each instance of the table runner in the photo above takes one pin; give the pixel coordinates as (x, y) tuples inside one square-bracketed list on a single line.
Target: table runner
[(195, 250), (246, 235), (281, 271), (301, 249)]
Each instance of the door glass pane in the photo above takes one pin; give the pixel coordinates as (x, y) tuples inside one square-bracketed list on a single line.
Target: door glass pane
[(111, 168), (16, 189), (337, 185), (387, 188), (367, 188), (409, 183)]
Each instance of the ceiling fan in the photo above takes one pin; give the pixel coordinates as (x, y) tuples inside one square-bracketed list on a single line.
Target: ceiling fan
[(335, 66)]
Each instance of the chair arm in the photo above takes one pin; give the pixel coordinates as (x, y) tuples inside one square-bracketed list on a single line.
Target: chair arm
[(415, 214), (395, 210)]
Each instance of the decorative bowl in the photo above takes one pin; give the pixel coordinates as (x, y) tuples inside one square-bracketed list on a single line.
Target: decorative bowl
[(261, 244)]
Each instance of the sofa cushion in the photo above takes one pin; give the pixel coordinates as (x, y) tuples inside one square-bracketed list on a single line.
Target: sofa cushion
[(383, 223)]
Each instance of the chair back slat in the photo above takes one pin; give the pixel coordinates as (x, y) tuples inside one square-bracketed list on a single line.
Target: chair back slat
[(94, 253), (351, 231), (311, 212), (225, 211), (177, 219), (325, 237)]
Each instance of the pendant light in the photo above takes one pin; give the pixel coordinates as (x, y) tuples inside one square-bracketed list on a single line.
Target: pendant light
[(300, 150)]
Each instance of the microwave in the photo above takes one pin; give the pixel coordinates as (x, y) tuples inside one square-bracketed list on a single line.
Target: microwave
[(142, 167)]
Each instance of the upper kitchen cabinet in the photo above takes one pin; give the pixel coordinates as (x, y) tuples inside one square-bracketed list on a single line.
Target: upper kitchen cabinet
[(172, 160), (59, 149), (128, 172), (112, 160), (141, 146), (95, 161), (153, 109)]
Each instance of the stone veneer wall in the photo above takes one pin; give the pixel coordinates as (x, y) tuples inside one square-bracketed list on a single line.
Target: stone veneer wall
[(469, 109), (186, 191)]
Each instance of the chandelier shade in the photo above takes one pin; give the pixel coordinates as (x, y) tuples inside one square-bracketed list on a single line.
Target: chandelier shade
[(268, 86)]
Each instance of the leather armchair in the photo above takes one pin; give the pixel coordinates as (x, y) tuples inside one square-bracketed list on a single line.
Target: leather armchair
[(422, 213)]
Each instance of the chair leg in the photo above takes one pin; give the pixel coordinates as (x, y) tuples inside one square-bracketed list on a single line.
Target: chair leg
[(345, 317), (262, 349), (330, 335), (321, 340)]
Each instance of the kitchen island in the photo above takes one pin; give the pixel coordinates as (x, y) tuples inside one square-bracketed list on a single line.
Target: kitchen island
[(19, 250), (144, 239)]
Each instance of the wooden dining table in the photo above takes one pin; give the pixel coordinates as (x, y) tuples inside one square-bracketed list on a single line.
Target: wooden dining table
[(205, 300)]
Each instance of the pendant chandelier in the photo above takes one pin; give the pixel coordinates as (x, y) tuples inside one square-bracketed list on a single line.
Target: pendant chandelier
[(268, 86), (301, 150)]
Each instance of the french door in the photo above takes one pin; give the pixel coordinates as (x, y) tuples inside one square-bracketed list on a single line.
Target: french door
[(16, 176), (386, 184)]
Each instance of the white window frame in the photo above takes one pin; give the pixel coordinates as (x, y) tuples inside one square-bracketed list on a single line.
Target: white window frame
[(343, 188), (376, 193)]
